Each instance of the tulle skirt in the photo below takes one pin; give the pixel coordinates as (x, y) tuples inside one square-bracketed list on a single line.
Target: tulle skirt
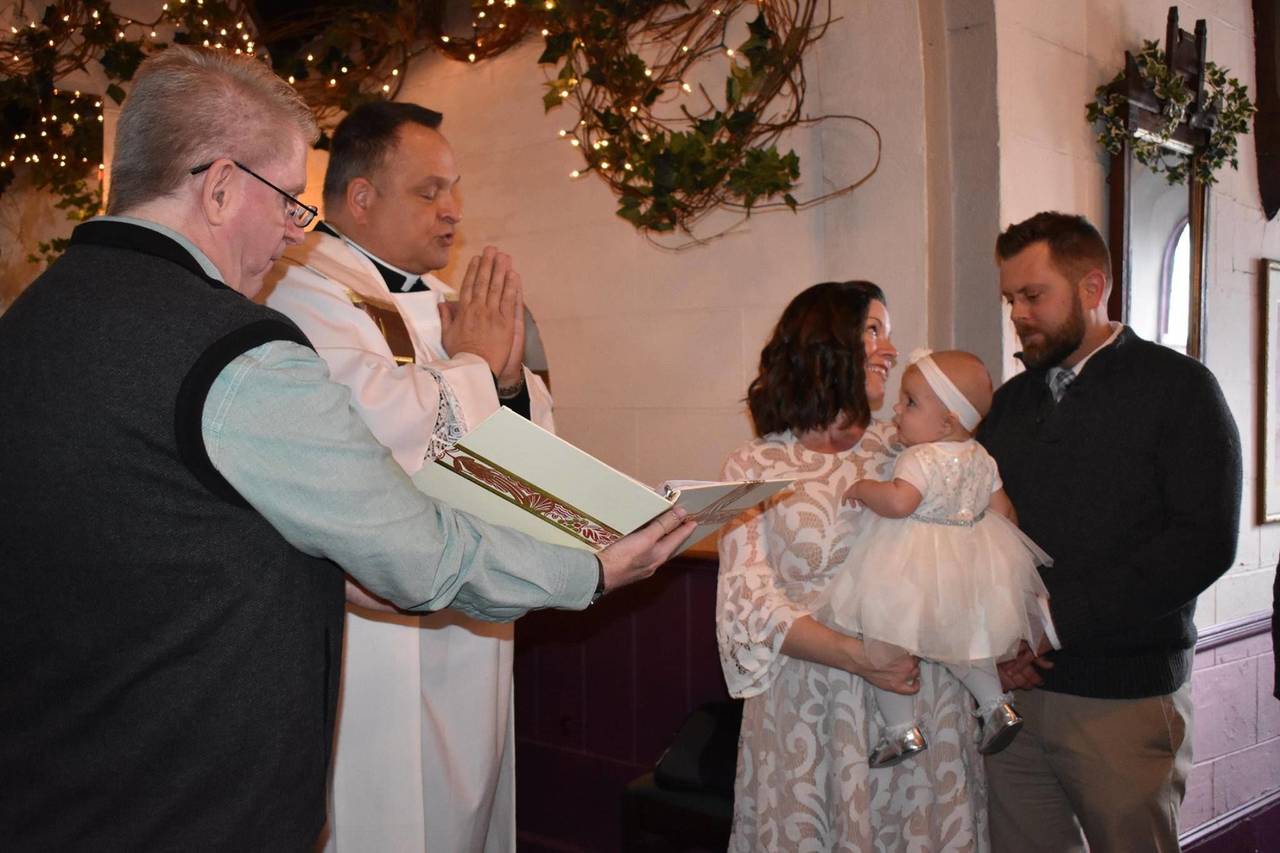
[(952, 594)]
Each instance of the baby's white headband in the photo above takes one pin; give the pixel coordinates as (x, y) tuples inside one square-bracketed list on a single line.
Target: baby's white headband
[(946, 390)]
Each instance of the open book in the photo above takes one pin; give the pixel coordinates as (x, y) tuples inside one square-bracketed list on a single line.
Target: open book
[(512, 472)]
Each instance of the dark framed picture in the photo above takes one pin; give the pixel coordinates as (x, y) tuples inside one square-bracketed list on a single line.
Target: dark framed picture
[(1269, 396)]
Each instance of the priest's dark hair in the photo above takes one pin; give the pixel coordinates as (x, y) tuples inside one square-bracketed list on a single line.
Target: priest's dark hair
[(362, 139), (812, 370)]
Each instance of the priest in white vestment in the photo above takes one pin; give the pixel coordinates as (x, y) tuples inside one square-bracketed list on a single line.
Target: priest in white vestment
[(425, 748)]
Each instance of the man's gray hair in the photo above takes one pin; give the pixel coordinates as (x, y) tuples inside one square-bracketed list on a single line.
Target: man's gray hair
[(189, 107)]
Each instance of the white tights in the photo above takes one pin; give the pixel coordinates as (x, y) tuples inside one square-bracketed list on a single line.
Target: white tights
[(980, 680)]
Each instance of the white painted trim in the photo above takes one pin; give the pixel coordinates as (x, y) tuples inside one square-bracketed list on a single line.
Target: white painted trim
[(1238, 629)]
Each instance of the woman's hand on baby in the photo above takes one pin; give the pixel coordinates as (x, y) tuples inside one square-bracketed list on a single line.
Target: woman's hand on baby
[(900, 676)]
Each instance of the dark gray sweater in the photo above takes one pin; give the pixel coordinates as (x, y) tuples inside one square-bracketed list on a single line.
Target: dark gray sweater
[(1132, 484), (169, 663)]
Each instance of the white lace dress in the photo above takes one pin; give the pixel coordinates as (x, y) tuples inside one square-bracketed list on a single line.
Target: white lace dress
[(803, 782)]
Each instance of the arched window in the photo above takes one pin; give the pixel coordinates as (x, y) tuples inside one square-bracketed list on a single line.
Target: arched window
[(1175, 289)]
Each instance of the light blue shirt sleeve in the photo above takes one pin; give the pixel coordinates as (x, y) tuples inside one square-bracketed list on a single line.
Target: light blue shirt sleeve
[(287, 440)]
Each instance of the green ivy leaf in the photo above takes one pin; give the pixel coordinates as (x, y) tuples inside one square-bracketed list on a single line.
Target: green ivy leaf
[(121, 58), (740, 121), (759, 28), (732, 91), (631, 214), (558, 45), (610, 121), (709, 127), (759, 48)]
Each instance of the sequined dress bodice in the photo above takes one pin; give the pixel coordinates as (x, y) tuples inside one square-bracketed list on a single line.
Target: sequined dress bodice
[(960, 478)]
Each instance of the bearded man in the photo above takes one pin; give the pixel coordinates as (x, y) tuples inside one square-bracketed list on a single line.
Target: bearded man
[(1123, 462)]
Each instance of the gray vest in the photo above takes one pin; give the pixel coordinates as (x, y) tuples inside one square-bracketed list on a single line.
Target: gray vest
[(168, 662)]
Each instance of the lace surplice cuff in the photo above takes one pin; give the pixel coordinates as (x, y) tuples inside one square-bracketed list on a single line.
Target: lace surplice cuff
[(450, 424)]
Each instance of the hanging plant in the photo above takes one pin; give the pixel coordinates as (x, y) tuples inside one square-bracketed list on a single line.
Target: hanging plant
[(671, 152), (1225, 98)]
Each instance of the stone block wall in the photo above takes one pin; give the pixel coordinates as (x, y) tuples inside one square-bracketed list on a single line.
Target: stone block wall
[(1237, 728)]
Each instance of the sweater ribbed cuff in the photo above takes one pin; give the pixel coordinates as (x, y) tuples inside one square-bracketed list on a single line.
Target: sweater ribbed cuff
[(1068, 604), (1156, 673)]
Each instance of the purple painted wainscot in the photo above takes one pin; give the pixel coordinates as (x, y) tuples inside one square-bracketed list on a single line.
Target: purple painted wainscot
[(1233, 795), (599, 696)]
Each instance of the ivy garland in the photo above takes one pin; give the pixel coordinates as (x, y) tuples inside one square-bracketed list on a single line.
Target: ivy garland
[(1225, 95), (669, 154), (670, 151)]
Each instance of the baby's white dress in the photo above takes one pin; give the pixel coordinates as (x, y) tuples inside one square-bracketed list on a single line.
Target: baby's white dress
[(953, 582)]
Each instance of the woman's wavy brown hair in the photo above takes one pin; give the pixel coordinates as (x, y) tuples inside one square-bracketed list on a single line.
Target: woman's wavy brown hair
[(812, 368)]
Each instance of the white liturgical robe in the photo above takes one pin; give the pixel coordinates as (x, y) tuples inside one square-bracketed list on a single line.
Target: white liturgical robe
[(425, 757)]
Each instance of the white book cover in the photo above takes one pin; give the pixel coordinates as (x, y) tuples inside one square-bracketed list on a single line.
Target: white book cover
[(512, 472)]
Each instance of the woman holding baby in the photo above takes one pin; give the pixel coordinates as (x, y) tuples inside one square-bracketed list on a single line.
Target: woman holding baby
[(810, 720)]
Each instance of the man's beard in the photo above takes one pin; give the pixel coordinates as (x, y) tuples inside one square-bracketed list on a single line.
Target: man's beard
[(1057, 343)]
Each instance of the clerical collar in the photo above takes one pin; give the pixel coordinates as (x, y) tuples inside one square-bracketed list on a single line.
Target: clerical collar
[(396, 279)]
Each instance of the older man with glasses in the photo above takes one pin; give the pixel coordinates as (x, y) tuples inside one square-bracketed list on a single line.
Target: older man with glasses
[(183, 489), (301, 214)]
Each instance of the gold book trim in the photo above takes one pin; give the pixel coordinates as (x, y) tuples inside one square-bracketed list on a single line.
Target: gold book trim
[(461, 451)]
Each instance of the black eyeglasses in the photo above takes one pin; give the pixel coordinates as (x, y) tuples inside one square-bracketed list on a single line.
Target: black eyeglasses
[(300, 213)]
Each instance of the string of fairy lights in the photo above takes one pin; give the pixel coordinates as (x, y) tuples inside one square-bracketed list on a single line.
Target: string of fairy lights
[(74, 102), (630, 71), (48, 124)]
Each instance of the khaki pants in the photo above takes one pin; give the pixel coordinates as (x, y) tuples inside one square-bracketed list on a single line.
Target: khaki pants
[(1111, 772)]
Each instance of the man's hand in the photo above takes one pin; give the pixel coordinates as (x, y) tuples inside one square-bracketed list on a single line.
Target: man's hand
[(483, 320), (1023, 672), (636, 556), (513, 371)]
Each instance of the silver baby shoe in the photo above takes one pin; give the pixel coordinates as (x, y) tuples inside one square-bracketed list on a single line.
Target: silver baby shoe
[(1000, 726), (894, 750)]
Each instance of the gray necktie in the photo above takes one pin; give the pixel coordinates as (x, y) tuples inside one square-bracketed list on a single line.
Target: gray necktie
[(1059, 379)]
